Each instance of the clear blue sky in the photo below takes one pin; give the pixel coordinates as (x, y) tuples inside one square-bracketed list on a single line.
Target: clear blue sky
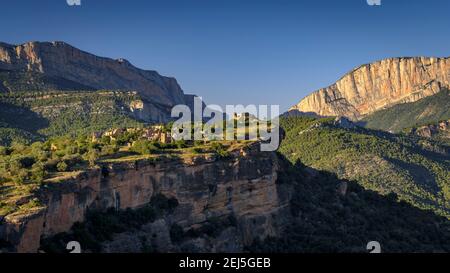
[(239, 51)]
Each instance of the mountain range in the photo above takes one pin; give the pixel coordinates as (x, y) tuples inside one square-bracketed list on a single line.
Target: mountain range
[(367, 158)]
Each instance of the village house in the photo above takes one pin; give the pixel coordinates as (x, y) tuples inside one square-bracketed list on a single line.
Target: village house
[(157, 133), (153, 133)]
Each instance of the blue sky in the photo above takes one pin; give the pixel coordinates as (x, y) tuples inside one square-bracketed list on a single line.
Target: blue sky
[(239, 51)]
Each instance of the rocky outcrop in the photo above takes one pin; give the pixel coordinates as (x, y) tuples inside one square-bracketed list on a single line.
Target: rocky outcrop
[(57, 65), (343, 122), (243, 186), (441, 130), (379, 85)]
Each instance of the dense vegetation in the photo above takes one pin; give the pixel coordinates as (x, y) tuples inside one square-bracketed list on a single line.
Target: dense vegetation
[(411, 168), (30, 116), (26, 168), (324, 220), (427, 110)]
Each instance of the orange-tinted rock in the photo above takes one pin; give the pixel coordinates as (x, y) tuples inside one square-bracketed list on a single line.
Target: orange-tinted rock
[(379, 85)]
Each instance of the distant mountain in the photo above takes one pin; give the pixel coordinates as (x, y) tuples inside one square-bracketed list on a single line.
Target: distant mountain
[(429, 110), (51, 89), (49, 66), (378, 86)]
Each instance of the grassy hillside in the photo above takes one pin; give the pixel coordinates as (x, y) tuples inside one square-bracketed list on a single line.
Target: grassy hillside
[(416, 170), (37, 115), (428, 110)]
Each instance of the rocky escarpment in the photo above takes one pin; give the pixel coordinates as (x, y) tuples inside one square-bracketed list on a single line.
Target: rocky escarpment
[(379, 85), (47, 66), (243, 186)]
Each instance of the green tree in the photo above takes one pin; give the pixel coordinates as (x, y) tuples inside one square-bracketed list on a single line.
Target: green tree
[(143, 147), (38, 172), (21, 176), (92, 157)]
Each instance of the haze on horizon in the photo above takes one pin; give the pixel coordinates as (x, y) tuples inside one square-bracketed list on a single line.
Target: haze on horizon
[(239, 52)]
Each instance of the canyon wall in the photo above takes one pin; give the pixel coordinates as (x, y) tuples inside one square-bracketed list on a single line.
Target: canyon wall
[(244, 186), (379, 85)]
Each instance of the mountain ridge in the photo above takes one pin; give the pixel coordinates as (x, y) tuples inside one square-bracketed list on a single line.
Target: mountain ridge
[(379, 85), (49, 66)]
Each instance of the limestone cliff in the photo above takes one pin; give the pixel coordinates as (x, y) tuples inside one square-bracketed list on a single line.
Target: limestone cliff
[(243, 186), (379, 85), (60, 66)]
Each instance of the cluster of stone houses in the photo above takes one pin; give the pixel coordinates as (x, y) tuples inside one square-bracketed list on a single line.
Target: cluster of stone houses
[(152, 133)]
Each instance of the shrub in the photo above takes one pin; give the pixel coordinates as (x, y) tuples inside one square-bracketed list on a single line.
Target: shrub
[(21, 176), (181, 144), (165, 145), (92, 156), (109, 149), (62, 166), (197, 150), (38, 172), (198, 143), (143, 147), (220, 150), (18, 147)]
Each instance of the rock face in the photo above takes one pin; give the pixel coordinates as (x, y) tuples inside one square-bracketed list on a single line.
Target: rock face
[(343, 122), (441, 129), (57, 65), (379, 85), (244, 186)]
